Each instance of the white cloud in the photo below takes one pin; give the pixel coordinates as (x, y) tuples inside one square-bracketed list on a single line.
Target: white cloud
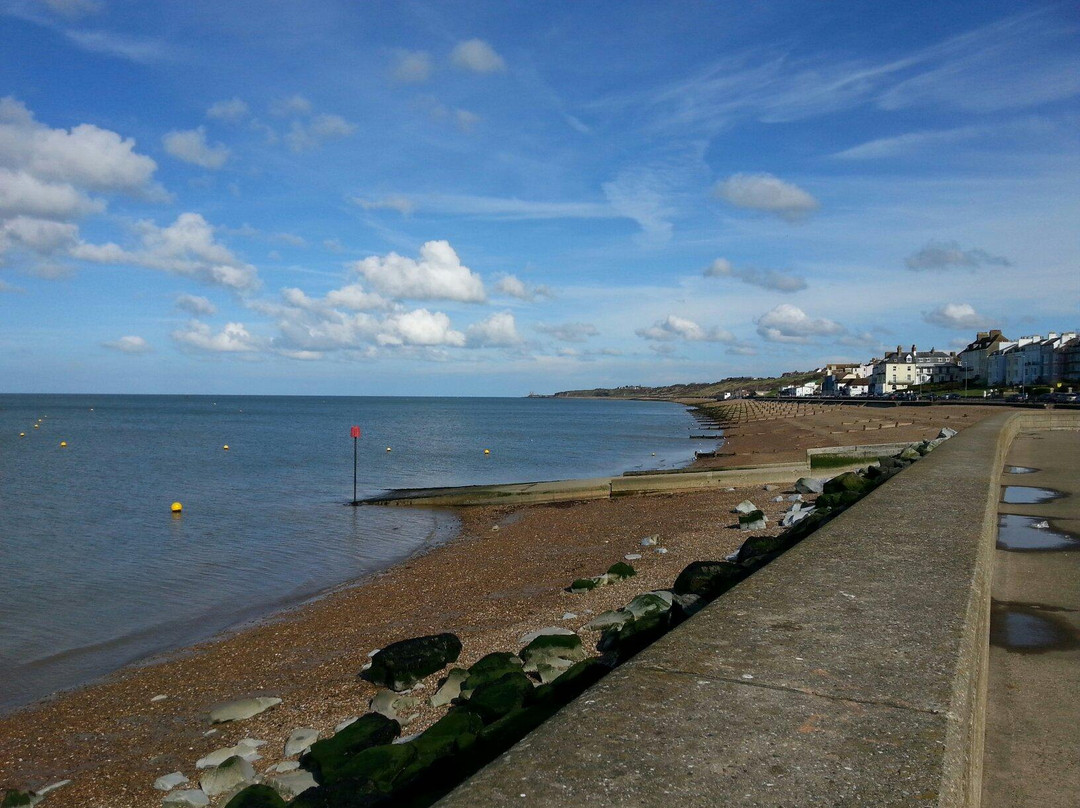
[(477, 56), (568, 332), (634, 194), (512, 286), (402, 204), (674, 327), (186, 247), (303, 136), (787, 323), (909, 143), (190, 146), (42, 236), (948, 254), (193, 304), (292, 105), (497, 331), (958, 316), (135, 49), (129, 345), (767, 193), (765, 278), (412, 67), (233, 110), (437, 275), (419, 327), (233, 338)]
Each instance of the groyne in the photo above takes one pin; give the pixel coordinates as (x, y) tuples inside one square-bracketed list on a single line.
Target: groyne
[(850, 671)]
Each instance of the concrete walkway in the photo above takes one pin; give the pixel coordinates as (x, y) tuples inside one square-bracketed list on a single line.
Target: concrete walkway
[(1033, 705)]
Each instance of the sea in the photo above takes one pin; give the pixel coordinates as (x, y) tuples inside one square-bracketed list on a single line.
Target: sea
[(96, 572)]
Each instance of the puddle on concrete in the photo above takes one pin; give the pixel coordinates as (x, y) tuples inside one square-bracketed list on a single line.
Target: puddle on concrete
[(1020, 470), (1028, 495), (1020, 533), (1029, 628)]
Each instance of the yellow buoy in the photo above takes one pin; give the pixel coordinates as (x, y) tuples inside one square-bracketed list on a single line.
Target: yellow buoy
[(225, 447), (487, 451), (63, 444), (176, 507)]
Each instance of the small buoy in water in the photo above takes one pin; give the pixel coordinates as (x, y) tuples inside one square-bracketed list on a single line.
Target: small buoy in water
[(22, 434), (388, 448), (487, 451), (37, 426), (225, 447), (63, 444), (654, 454), (176, 507)]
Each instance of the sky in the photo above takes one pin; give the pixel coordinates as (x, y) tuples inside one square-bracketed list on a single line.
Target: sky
[(497, 198)]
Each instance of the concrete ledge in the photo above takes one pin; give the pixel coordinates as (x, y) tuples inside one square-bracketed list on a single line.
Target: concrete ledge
[(850, 671)]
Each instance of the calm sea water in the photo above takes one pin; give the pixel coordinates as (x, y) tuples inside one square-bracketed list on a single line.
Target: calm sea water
[(95, 572)]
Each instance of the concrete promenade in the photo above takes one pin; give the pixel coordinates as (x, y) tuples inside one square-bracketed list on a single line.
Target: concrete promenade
[(850, 671)]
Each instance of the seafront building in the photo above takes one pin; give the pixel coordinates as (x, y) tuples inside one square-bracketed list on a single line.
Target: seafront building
[(901, 369)]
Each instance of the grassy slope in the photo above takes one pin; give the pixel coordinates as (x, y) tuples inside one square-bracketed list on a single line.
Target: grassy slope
[(694, 390)]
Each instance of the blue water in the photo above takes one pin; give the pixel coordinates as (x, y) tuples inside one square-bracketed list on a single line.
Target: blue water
[(95, 572)]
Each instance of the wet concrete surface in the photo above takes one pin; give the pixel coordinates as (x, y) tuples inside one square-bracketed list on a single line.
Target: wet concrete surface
[(1033, 713), (1020, 470)]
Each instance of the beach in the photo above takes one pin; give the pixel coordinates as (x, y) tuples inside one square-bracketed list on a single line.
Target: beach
[(503, 576)]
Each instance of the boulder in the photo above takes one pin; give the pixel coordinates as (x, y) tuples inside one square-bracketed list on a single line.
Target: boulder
[(232, 773), (401, 665), (746, 506), (809, 485), (794, 498), (527, 638), (755, 520), (708, 579), (620, 570), (909, 454), (548, 648), (16, 799), (848, 481), (582, 585), (839, 500), (284, 766), (241, 709), (648, 603), (946, 433), (493, 700), (289, 785), (606, 620), (449, 687), (494, 666), (796, 513), (247, 751), (260, 796), (551, 669), (168, 782), (454, 732), (377, 769), (759, 549), (688, 605), (328, 757), (620, 643), (192, 797), (300, 741), (573, 681), (389, 703)]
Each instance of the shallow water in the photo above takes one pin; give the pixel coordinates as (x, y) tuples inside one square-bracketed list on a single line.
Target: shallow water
[(1029, 628), (1028, 495), (1020, 470), (1019, 533), (97, 573)]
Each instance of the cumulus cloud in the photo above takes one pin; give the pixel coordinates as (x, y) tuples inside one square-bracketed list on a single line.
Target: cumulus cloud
[(129, 345), (402, 204), (568, 332), (412, 67), (193, 304), (292, 105), (437, 275), (949, 255), (787, 323), (674, 327), (512, 286), (307, 135), (187, 247), (233, 110), (419, 327), (497, 331), (190, 146), (233, 338), (767, 193), (765, 278), (958, 316), (477, 56)]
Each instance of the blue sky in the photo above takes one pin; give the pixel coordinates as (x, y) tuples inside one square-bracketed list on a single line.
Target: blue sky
[(492, 198)]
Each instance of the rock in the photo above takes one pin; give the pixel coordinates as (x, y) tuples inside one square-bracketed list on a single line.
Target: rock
[(779, 498), (569, 616), (606, 620), (796, 513), (760, 549), (329, 756), (159, 698), (232, 773), (946, 433), (347, 722), (454, 732), (552, 669), (449, 687), (620, 571), (572, 682), (582, 585), (689, 605), (651, 541), (194, 797), (389, 703), (291, 784), (909, 454), (648, 603), (241, 709), (840, 500), (548, 648), (300, 741), (708, 579), (755, 520), (622, 642), (219, 756), (285, 766), (168, 782), (848, 481), (809, 485), (377, 768), (260, 796), (525, 639), (401, 665), (41, 792), (794, 498), (632, 556), (770, 487), (661, 550), (493, 700), (746, 506), (16, 799)]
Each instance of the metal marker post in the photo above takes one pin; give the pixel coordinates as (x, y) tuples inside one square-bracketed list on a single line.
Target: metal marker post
[(355, 432)]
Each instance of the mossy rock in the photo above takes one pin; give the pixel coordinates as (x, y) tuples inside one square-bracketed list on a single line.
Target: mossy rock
[(646, 604), (583, 585), (620, 569), (326, 758), (573, 682), (401, 665), (257, 796), (454, 732), (16, 799), (838, 499), (750, 518), (511, 728), (488, 669), (708, 579), (344, 794), (378, 769), (557, 650), (759, 549), (626, 640), (848, 481), (493, 700)]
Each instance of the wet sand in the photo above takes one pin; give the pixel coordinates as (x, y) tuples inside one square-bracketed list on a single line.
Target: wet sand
[(504, 576)]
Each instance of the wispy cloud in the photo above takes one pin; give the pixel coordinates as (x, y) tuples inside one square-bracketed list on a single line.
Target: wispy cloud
[(141, 50), (129, 345), (477, 56), (909, 143), (190, 146), (949, 255), (765, 278)]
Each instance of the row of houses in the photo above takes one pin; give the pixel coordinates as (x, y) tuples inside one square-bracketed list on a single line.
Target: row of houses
[(990, 360)]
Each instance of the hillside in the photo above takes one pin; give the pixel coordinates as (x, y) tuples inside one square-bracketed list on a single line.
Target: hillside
[(767, 385)]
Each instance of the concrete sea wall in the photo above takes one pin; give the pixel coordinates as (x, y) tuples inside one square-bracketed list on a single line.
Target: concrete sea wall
[(850, 671)]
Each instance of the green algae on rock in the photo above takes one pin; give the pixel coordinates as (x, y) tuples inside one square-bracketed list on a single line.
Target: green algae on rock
[(402, 664)]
